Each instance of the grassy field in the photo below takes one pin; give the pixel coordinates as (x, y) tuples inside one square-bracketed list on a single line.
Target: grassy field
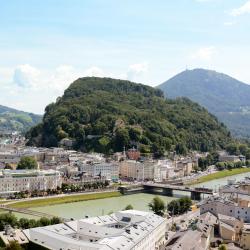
[(63, 199), (220, 174)]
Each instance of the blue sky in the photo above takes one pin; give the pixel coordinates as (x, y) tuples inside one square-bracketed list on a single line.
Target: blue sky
[(45, 45)]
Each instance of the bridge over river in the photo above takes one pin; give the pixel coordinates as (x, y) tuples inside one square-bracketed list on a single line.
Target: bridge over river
[(165, 189)]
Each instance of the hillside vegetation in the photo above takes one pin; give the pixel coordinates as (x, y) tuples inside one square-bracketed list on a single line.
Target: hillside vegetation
[(105, 115), (15, 120), (224, 96)]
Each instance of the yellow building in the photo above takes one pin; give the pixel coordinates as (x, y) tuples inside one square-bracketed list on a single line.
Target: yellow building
[(230, 228), (245, 237)]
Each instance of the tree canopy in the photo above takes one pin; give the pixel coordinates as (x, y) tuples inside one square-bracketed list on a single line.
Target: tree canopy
[(179, 206), (27, 162), (157, 205), (105, 115), (129, 207)]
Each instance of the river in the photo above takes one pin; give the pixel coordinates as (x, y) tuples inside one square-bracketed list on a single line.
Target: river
[(140, 201)]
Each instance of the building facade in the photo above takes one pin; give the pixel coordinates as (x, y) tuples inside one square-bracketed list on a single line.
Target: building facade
[(12, 181), (135, 170), (103, 169)]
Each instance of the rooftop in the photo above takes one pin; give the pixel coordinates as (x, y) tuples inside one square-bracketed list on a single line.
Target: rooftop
[(118, 231)]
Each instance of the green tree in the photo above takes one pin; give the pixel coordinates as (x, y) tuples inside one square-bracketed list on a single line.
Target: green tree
[(128, 207), (55, 220), (181, 149), (248, 154), (44, 221), (121, 139), (104, 144), (222, 247), (179, 206), (173, 207), (27, 162), (135, 134), (157, 205), (158, 150), (7, 219), (14, 245), (233, 149), (202, 163), (185, 204), (33, 223), (243, 149), (220, 165), (24, 223)]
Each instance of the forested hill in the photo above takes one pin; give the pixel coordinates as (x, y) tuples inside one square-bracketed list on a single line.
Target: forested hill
[(104, 115), (15, 120), (222, 95)]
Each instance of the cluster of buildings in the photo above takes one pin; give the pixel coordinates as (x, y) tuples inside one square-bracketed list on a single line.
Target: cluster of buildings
[(76, 167), (223, 218)]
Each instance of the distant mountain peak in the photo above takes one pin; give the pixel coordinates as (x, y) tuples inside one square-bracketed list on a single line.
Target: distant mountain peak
[(221, 94)]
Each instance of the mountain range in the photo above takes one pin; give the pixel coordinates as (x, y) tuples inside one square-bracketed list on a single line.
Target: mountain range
[(223, 96), (105, 115), (15, 120)]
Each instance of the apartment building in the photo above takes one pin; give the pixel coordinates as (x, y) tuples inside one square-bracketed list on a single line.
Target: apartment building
[(103, 169), (136, 170)]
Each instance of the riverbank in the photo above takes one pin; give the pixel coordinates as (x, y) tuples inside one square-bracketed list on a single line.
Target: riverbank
[(219, 175), (62, 199)]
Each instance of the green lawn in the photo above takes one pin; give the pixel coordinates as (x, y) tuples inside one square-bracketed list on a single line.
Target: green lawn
[(65, 199), (220, 174)]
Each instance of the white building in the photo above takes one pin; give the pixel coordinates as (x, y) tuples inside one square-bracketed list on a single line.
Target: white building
[(136, 170), (124, 230), (164, 170), (12, 181), (103, 169)]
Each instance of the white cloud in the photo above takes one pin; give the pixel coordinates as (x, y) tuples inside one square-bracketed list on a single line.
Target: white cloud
[(62, 77), (137, 70), (30, 89), (204, 54), (26, 76), (244, 9)]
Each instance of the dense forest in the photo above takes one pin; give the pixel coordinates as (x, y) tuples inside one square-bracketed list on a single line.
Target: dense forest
[(105, 115)]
